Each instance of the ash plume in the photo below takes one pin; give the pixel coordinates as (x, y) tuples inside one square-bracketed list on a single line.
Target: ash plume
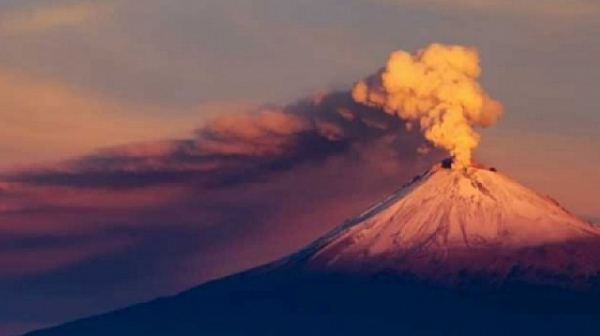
[(436, 88)]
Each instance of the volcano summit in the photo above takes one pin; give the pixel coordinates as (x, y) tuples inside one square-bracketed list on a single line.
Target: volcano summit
[(457, 251), (450, 222)]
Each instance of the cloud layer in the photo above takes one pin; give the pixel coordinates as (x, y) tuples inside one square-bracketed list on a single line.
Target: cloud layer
[(35, 19), (566, 9)]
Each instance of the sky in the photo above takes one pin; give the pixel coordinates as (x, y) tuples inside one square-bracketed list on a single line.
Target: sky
[(147, 147)]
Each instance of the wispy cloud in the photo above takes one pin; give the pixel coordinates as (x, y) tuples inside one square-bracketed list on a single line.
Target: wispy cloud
[(33, 19), (539, 8), (594, 220), (43, 119)]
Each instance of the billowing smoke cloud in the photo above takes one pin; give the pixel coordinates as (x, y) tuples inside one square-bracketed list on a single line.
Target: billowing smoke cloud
[(436, 88)]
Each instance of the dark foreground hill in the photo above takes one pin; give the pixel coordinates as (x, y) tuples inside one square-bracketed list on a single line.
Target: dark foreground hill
[(297, 303)]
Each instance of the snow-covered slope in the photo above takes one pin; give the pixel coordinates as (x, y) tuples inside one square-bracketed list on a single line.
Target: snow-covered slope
[(447, 222)]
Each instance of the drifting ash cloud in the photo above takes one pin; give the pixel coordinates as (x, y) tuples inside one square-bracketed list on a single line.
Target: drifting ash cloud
[(240, 147)]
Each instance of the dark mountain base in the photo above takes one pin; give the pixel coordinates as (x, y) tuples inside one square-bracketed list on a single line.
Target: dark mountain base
[(294, 303)]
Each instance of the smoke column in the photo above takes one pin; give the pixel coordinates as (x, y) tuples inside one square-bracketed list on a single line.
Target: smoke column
[(437, 88)]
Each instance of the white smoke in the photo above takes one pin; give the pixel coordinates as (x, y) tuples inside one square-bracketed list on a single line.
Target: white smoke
[(437, 87)]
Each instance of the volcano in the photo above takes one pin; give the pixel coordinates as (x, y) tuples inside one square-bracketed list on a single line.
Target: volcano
[(464, 251), (451, 222)]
